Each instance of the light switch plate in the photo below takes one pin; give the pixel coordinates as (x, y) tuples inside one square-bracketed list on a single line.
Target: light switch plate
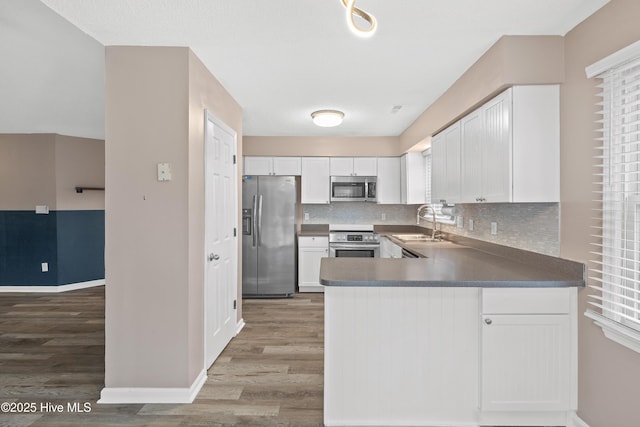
[(45, 267), (306, 216), (164, 172), (460, 221), (470, 225)]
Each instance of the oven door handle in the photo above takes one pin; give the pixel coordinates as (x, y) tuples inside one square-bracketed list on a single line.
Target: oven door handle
[(348, 246)]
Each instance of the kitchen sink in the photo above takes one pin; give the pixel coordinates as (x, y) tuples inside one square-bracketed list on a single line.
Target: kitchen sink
[(415, 238)]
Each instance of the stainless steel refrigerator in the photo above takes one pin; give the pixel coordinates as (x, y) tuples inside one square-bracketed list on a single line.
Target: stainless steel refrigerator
[(268, 236)]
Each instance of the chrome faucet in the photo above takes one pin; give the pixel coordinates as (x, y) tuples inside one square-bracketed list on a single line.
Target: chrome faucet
[(434, 221)]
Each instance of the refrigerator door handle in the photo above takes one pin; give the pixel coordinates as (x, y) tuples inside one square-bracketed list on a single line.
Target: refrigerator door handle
[(260, 221), (254, 217)]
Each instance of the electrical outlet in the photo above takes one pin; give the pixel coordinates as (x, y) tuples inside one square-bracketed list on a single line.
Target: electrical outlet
[(42, 209), (494, 228), (45, 267), (460, 221), (470, 225)]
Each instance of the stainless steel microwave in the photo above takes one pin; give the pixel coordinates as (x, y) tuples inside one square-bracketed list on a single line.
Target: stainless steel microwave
[(353, 189)]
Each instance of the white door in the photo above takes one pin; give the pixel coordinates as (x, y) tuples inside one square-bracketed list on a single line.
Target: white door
[(220, 243)]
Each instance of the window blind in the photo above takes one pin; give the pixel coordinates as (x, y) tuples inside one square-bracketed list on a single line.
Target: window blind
[(615, 277)]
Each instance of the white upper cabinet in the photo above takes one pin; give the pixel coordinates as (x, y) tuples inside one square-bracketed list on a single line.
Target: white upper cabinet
[(445, 165), (508, 150), (315, 181), (354, 166), (260, 165), (412, 179), (471, 157), (536, 143), (388, 182)]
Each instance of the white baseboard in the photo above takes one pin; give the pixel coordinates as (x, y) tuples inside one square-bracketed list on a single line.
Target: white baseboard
[(575, 421), (153, 395), (53, 288), (311, 288), (239, 326)]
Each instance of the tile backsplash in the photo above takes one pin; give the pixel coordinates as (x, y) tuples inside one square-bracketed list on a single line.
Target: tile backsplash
[(529, 226), (359, 213)]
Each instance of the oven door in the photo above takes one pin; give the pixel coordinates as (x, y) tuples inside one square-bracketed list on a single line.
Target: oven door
[(350, 250)]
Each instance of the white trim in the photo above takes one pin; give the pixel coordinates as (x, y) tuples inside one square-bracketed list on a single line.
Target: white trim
[(617, 58), (311, 288), (153, 394), (239, 326), (53, 288), (573, 420), (616, 332)]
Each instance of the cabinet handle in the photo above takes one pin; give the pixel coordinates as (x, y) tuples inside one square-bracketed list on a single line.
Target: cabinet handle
[(488, 321)]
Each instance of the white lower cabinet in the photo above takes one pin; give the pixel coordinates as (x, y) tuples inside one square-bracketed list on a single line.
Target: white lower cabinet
[(527, 350), (311, 250), (455, 356)]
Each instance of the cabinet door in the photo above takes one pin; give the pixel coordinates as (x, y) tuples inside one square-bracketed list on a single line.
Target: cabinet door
[(315, 181), (525, 362), (256, 165), (471, 158), (388, 184), (412, 179), (309, 265), (286, 166), (365, 166), (496, 149), (452, 160), (438, 168), (341, 166)]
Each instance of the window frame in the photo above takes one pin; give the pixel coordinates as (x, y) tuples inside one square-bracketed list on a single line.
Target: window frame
[(616, 276)]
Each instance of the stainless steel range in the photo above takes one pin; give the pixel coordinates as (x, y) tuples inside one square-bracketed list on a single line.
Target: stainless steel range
[(353, 241)]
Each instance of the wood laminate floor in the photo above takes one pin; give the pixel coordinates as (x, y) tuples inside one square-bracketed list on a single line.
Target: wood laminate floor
[(52, 352)]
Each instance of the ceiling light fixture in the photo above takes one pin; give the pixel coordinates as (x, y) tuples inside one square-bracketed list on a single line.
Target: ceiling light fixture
[(352, 10), (327, 118)]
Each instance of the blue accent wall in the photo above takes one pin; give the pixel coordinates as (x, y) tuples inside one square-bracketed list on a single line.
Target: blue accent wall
[(72, 242), (80, 246)]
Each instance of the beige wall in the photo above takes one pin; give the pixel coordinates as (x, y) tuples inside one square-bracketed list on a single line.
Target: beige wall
[(156, 97), (27, 171), (79, 162), (609, 373), (44, 169), (511, 60), (146, 222), (321, 146)]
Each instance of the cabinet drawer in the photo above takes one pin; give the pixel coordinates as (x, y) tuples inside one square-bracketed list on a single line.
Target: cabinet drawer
[(526, 301), (313, 242)]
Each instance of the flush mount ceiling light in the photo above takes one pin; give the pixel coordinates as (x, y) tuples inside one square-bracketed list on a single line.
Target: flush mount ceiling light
[(327, 118), (352, 11)]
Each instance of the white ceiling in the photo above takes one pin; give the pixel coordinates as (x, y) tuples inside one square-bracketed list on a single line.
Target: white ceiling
[(283, 59)]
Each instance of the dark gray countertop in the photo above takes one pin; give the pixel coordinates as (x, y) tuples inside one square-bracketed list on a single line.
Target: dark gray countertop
[(449, 264), (314, 230)]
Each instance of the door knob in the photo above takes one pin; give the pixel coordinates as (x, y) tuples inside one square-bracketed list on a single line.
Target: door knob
[(214, 257)]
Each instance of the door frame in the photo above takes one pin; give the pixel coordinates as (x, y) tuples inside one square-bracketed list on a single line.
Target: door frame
[(208, 116)]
